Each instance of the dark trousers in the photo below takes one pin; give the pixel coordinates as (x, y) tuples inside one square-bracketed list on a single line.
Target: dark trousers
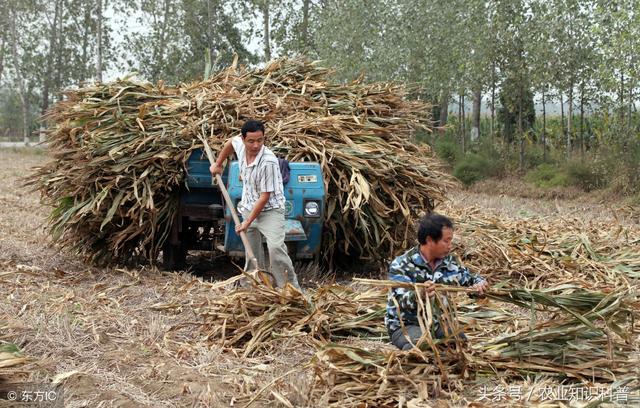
[(399, 340)]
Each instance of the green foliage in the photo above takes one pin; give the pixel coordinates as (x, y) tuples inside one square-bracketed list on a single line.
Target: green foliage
[(29, 150), (585, 176), (547, 176), (633, 200), (174, 49), (447, 150), (494, 154), (516, 107), (534, 156), (620, 166), (517, 48), (9, 348), (11, 116), (472, 168)]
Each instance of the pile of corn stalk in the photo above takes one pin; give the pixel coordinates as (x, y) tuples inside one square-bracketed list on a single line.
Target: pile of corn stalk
[(580, 337), (256, 317), (535, 254), (119, 151), (563, 309), (566, 332)]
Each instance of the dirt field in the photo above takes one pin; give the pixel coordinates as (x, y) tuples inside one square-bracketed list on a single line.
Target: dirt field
[(127, 338)]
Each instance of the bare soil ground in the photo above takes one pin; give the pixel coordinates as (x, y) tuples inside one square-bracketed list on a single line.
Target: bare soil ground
[(126, 337), (514, 198), (108, 334)]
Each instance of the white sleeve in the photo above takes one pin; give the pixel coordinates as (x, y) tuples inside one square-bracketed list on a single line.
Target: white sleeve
[(238, 146)]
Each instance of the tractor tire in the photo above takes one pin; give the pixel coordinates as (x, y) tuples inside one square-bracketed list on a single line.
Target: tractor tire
[(173, 257)]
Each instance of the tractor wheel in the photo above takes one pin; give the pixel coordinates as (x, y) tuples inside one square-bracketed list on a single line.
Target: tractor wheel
[(173, 256)]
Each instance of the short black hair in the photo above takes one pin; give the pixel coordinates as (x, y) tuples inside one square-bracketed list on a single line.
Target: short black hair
[(252, 126), (431, 225)]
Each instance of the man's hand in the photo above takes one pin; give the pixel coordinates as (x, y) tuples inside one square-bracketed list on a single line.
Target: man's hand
[(215, 169), (481, 287), (242, 226), (429, 288)]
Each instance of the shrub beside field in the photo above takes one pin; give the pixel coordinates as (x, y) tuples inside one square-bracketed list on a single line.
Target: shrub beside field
[(614, 168)]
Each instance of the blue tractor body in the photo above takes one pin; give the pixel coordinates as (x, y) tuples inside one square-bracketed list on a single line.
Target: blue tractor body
[(203, 221)]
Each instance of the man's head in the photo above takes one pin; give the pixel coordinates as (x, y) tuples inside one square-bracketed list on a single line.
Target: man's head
[(253, 136), (435, 234)]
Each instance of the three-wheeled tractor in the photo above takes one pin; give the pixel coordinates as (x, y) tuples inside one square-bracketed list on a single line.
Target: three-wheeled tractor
[(203, 222)]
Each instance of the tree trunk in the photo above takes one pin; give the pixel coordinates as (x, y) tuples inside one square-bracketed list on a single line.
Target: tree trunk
[(544, 128), (53, 49), (84, 27), (267, 36), (461, 122), (305, 25), (493, 98), (160, 46), (85, 44), (475, 115), (464, 123), (2, 50), (444, 108), (99, 41), (582, 148), (621, 98), (211, 23), (570, 120), (57, 82), (564, 132), (630, 113), (22, 93), (520, 130), (459, 125)]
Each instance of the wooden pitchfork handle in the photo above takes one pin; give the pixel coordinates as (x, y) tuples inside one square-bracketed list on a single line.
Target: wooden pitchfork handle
[(227, 199)]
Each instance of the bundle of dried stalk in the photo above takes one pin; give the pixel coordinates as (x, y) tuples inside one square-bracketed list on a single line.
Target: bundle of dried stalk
[(589, 335), (353, 376), (10, 355), (11, 362), (572, 333), (537, 253), (255, 317), (119, 152), (349, 376)]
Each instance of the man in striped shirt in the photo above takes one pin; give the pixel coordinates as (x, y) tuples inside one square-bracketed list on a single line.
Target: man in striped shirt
[(263, 204)]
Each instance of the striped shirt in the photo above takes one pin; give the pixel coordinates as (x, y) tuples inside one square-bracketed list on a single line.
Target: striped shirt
[(261, 176)]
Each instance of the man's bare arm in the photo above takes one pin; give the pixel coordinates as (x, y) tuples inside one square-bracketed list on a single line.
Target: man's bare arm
[(257, 209), (222, 156)]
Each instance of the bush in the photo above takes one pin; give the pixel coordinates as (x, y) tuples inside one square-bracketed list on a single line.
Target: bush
[(496, 157), (623, 167), (533, 156), (587, 177), (584, 176), (472, 168), (447, 150), (633, 200), (547, 176)]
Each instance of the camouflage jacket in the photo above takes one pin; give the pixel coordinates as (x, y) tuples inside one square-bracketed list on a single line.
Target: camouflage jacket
[(412, 267)]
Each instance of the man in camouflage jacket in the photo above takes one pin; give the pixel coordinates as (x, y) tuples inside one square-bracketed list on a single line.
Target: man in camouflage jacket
[(430, 263)]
